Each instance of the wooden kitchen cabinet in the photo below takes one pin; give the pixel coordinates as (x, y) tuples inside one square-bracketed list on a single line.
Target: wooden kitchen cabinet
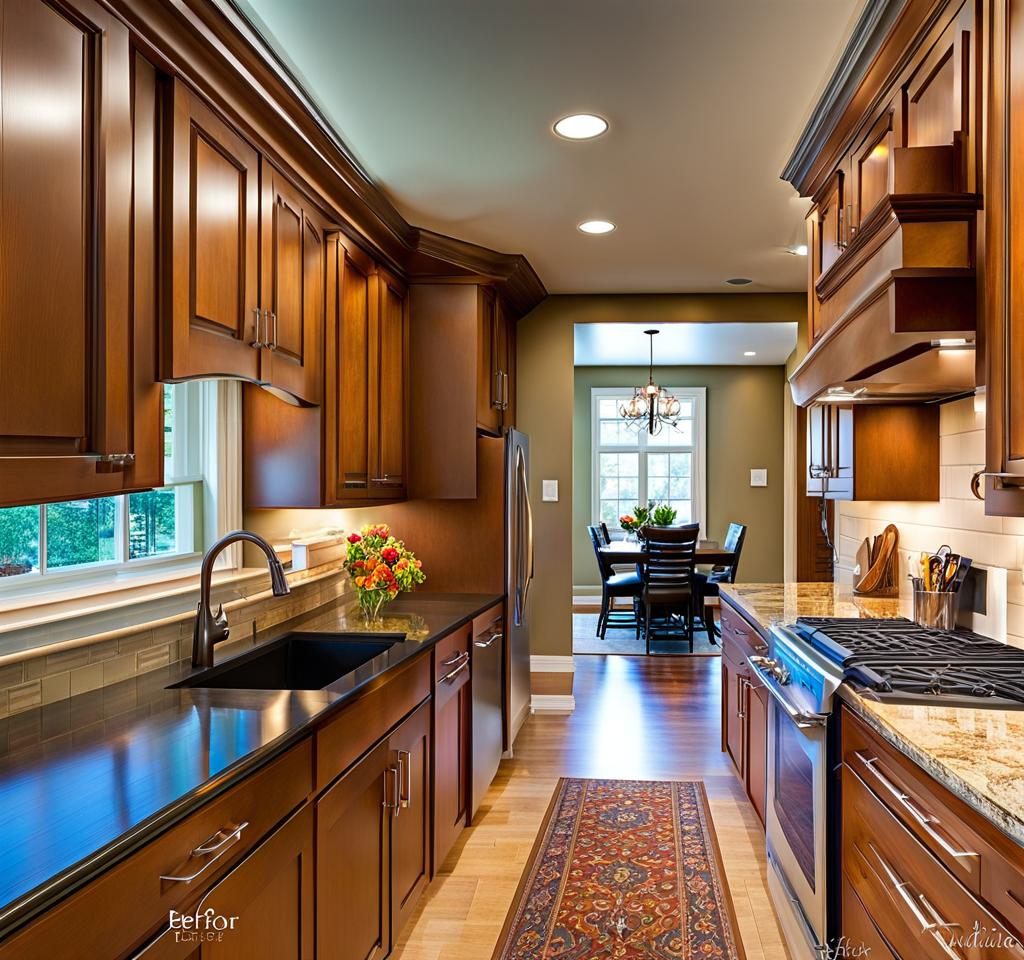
[(293, 296), (463, 336), (873, 451), (353, 448), (213, 322), (267, 899), (744, 706), (74, 357), (453, 706), (373, 845)]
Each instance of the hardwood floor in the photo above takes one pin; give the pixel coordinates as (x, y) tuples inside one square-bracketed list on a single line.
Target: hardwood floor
[(635, 717)]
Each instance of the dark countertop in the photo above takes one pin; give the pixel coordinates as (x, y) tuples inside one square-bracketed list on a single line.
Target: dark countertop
[(85, 781)]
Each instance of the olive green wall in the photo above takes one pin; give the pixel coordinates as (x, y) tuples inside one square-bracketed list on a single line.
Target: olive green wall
[(744, 430), (545, 411)]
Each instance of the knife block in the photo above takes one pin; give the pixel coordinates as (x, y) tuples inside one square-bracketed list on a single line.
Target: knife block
[(882, 576)]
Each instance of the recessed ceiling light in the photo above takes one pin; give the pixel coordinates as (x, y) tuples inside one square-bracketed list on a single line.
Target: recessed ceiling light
[(800, 250), (739, 281), (750, 353), (596, 227), (581, 126)]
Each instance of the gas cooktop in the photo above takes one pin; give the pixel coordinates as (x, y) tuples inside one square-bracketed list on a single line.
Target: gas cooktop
[(898, 660)]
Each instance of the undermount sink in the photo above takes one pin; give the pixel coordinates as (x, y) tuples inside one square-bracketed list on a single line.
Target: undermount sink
[(297, 661)]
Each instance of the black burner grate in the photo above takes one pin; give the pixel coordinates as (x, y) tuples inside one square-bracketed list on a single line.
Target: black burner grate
[(897, 656)]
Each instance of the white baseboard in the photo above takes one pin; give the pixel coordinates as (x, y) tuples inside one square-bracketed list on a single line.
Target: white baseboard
[(552, 703), (548, 664)]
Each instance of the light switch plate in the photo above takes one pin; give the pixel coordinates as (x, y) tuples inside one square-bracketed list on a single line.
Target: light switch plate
[(549, 492), (759, 477)]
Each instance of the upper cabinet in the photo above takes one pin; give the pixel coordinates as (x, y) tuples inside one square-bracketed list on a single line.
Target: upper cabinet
[(892, 173), (244, 277), (353, 449), (463, 337), (1003, 295), (68, 333)]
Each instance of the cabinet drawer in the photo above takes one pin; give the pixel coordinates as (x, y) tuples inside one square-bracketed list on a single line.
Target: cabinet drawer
[(451, 655), (911, 796), (359, 725), (132, 899), (489, 623), (919, 907), (739, 639)]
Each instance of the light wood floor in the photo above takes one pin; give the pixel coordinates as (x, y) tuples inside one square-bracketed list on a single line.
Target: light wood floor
[(635, 718)]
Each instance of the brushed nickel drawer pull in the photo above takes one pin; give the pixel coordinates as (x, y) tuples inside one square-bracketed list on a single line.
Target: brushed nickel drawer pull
[(455, 658), (924, 820), (483, 644), (213, 847), (449, 677)]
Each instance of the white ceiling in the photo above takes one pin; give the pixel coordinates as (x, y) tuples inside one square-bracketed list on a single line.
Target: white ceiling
[(683, 344), (449, 104)]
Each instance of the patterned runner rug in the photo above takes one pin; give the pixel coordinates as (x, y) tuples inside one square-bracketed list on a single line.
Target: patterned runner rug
[(623, 869)]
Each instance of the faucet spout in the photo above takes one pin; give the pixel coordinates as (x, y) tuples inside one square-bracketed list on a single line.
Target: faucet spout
[(211, 628)]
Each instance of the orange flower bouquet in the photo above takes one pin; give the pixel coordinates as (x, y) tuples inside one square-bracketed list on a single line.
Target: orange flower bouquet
[(381, 567)]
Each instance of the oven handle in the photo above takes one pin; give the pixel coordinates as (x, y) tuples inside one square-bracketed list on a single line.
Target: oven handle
[(804, 719)]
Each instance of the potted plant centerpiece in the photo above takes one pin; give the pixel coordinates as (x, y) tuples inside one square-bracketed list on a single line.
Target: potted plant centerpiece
[(658, 515), (380, 567), (633, 522)]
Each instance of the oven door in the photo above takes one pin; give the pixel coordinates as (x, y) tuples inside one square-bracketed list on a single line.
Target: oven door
[(795, 817)]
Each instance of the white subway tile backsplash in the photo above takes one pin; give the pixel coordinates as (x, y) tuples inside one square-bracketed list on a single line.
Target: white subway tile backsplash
[(957, 519)]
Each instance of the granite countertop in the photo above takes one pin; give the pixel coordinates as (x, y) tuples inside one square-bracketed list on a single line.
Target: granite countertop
[(974, 752), (768, 603), (85, 781)]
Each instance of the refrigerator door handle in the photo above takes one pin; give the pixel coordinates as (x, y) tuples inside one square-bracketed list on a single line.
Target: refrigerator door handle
[(520, 535), (528, 578)]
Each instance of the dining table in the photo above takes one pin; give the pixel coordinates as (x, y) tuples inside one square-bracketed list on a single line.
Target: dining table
[(626, 551)]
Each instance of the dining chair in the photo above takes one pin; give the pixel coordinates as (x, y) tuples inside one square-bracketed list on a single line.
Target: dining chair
[(708, 583), (604, 532), (615, 586), (668, 581)]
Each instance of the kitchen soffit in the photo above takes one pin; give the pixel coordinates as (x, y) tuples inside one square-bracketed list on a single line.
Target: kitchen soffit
[(449, 106)]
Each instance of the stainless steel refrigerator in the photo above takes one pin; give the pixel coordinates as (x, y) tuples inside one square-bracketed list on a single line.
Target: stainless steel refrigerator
[(518, 576)]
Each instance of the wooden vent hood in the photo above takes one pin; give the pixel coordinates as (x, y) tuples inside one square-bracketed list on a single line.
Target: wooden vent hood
[(888, 163)]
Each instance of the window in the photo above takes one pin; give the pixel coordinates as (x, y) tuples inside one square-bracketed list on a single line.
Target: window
[(633, 467), (59, 540)]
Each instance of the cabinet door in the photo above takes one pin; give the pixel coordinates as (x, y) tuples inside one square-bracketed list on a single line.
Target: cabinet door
[(353, 916), (757, 746), (830, 224), (66, 192), (733, 703), (212, 228), (293, 295), (452, 752), (347, 388), (410, 823), (817, 449), (389, 387), (488, 410)]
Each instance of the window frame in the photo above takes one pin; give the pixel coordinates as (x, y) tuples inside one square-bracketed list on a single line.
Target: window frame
[(186, 473), (697, 449)]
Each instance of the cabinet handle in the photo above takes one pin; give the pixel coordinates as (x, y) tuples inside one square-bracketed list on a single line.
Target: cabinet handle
[(496, 402), (213, 847), (397, 792), (387, 480), (405, 765), (976, 480), (449, 677), (742, 683), (258, 342), (931, 926), (486, 643), (270, 318), (504, 390), (924, 820)]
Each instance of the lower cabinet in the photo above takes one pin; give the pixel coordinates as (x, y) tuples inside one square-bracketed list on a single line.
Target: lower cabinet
[(452, 755), (262, 910), (744, 706), (372, 840), (923, 875)]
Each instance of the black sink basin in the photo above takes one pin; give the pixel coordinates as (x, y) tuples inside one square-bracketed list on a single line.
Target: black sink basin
[(297, 661)]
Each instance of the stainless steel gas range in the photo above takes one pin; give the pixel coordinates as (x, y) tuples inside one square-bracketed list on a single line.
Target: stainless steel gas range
[(808, 660)]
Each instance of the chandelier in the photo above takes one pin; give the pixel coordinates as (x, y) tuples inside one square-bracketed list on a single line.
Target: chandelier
[(650, 407)]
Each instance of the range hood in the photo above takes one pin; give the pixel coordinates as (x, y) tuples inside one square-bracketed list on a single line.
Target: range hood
[(896, 310)]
